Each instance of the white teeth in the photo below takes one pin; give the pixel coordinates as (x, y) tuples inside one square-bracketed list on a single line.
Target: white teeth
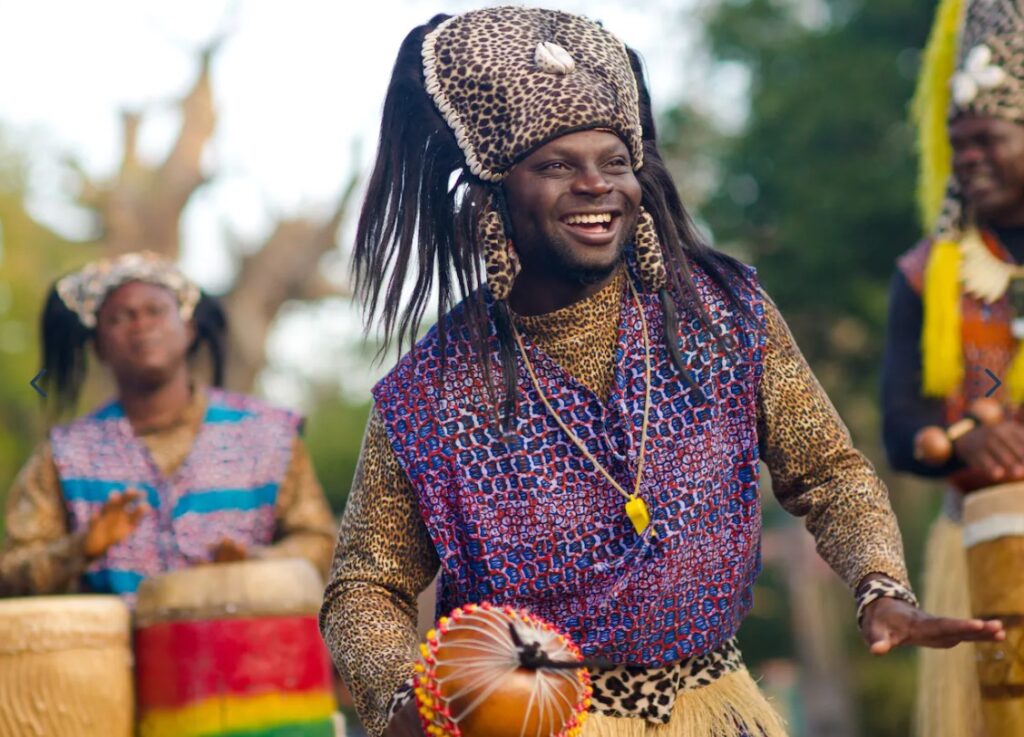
[(603, 217)]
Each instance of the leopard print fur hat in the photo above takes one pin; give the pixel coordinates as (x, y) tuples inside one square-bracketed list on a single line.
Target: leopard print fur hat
[(973, 65), (989, 77), (510, 79)]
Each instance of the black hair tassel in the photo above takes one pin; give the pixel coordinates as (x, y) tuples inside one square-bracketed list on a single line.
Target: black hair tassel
[(671, 322)]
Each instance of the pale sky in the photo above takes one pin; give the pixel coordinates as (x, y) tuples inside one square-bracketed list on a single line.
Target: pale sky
[(298, 86)]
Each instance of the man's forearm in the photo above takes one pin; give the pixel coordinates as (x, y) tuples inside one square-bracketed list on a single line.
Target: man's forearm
[(372, 637)]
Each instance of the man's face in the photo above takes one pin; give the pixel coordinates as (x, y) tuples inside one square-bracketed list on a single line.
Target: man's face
[(140, 334), (574, 203), (988, 162)]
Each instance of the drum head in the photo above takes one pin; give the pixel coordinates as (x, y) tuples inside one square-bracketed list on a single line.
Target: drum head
[(55, 623), (279, 587)]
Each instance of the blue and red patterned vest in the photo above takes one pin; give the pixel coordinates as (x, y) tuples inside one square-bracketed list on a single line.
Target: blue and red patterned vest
[(536, 526), (225, 488)]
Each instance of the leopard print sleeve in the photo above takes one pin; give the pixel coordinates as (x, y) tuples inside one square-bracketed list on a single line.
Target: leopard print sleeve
[(383, 559), (816, 472), (39, 555)]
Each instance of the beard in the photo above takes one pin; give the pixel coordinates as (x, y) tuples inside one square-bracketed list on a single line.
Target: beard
[(559, 258)]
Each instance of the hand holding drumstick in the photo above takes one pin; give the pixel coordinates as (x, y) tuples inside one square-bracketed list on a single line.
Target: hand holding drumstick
[(988, 442)]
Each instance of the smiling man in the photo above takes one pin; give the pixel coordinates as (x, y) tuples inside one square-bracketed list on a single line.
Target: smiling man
[(170, 474), (580, 434), (957, 309)]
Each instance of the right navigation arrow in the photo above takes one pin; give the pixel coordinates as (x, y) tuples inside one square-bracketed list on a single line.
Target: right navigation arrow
[(994, 378)]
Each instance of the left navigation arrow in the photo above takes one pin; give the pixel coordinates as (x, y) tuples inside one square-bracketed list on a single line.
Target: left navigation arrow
[(36, 386)]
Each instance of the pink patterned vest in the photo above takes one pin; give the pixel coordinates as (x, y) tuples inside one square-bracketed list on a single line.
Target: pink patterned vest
[(225, 488), (536, 526)]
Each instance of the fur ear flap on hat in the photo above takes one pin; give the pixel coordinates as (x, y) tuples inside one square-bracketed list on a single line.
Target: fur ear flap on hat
[(650, 261), (500, 259)]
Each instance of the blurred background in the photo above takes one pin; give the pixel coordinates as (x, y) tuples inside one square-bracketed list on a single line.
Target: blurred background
[(236, 136)]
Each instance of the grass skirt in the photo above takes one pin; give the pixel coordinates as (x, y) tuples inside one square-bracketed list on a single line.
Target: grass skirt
[(730, 706), (948, 694)]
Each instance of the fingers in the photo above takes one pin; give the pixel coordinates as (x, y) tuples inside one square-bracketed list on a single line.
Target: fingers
[(1013, 434), (121, 499), (881, 647), (889, 624), (995, 450), (123, 510), (136, 514), (1002, 450), (944, 632), (228, 551), (1006, 448), (886, 641)]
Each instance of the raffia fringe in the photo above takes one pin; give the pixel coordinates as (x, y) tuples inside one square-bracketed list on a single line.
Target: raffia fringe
[(930, 110), (948, 696), (941, 344), (1015, 376), (724, 708)]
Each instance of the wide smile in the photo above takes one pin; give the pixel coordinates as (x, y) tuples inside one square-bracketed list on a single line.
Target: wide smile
[(597, 228), (978, 179)]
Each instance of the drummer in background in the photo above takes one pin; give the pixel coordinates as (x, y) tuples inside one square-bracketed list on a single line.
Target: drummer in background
[(957, 309), (169, 474)]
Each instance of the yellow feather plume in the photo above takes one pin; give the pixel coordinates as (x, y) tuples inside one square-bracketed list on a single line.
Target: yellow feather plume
[(941, 342), (1015, 377), (930, 109)]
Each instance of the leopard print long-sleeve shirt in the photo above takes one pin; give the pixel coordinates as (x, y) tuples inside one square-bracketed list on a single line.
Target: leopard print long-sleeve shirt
[(385, 557)]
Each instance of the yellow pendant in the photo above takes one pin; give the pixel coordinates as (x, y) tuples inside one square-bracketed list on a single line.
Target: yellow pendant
[(637, 512)]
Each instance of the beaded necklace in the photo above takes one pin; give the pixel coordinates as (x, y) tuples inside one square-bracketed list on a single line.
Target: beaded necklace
[(635, 507)]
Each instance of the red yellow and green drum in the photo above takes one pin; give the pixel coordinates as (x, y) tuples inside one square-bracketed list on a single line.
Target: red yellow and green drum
[(233, 650)]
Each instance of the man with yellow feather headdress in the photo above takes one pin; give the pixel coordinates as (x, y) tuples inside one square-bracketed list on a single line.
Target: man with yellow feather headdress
[(956, 320)]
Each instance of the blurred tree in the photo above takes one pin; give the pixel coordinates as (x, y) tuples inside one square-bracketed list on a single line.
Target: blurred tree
[(142, 204), (818, 188)]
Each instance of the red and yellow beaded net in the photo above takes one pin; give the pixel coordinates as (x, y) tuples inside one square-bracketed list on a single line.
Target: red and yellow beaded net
[(489, 671)]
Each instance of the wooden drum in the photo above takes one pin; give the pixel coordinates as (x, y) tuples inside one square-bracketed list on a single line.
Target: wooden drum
[(233, 649), (65, 667), (994, 539)]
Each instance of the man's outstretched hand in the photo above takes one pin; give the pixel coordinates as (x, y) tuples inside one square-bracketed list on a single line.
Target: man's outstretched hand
[(889, 623)]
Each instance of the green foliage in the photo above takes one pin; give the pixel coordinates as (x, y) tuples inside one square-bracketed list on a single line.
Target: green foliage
[(819, 188), (31, 257), (334, 433)]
